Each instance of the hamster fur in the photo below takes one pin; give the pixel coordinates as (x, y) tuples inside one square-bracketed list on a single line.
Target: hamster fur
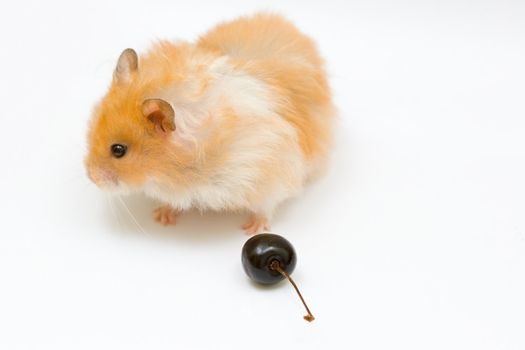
[(238, 121)]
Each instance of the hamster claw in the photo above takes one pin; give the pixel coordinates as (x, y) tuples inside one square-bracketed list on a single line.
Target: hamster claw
[(165, 215)]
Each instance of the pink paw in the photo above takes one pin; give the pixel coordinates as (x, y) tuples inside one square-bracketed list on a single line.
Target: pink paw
[(165, 215), (256, 224)]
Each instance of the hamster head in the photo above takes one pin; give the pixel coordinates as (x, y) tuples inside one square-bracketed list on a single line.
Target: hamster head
[(129, 135)]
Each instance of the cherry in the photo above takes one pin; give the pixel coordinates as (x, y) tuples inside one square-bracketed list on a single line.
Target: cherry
[(268, 258)]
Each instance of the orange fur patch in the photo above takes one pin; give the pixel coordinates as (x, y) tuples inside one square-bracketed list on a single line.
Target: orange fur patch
[(275, 51)]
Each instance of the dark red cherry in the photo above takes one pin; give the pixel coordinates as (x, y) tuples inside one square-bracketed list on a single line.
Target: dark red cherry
[(259, 252), (268, 258)]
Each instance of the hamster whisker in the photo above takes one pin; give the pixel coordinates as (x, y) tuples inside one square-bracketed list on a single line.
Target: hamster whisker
[(132, 216), (114, 210)]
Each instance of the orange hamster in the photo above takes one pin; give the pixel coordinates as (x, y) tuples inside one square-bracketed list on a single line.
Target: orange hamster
[(238, 121)]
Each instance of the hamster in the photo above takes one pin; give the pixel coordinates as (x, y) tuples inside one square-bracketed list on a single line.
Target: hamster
[(240, 120)]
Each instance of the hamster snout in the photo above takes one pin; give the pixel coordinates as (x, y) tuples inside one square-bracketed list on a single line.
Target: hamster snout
[(103, 178)]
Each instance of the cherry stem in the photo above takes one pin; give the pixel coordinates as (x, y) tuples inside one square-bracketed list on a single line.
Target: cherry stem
[(276, 267)]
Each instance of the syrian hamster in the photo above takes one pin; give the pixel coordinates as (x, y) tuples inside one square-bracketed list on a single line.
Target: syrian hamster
[(240, 120)]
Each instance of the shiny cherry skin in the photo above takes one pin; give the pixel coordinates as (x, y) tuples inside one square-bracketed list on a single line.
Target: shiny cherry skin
[(261, 250)]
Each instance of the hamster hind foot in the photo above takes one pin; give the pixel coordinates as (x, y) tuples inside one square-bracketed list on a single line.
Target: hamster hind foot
[(255, 224), (165, 215)]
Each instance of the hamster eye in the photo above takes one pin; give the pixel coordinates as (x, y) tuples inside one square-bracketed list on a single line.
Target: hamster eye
[(118, 150)]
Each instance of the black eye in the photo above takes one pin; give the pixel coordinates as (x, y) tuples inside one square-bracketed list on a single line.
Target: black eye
[(118, 150)]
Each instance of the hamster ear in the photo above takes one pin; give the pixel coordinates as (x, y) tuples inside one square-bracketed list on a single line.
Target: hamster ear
[(128, 63), (160, 113)]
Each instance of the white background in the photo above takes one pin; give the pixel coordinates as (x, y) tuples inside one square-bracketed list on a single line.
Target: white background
[(414, 240)]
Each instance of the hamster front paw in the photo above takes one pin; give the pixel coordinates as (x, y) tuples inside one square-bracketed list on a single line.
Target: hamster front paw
[(256, 223), (165, 215)]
